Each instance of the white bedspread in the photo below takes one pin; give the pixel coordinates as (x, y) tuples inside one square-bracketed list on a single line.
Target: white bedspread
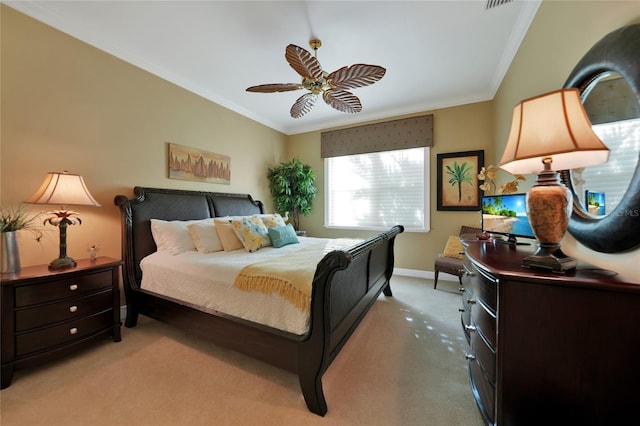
[(206, 281)]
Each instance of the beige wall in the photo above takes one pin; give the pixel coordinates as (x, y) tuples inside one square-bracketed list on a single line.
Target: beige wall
[(69, 106), (561, 33), (463, 128), (66, 105)]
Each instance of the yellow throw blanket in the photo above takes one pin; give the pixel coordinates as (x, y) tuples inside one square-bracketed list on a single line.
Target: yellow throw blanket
[(290, 275)]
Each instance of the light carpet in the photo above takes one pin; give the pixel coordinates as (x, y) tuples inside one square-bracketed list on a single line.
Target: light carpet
[(404, 365)]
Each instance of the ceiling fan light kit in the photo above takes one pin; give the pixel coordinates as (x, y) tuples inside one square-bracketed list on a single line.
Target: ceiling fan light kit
[(334, 87)]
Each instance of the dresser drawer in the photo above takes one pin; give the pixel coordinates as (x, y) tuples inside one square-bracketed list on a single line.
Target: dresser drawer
[(64, 333), (483, 391), (484, 353), (466, 305), (61, 311), (62, 289), (485, 322), (484, 289), (467, 269)]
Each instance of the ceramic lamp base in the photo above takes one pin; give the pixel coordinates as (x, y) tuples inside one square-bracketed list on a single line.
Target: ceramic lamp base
[(548, 208)]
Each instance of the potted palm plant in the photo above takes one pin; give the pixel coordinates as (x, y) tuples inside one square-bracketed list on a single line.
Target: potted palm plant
[(13, 220), (293, 189)]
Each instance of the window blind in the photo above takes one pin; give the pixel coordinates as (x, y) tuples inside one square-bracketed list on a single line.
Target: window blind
[(378, 190)]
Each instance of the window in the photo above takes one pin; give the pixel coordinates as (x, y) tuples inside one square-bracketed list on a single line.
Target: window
[(613, 177), (376, 191)]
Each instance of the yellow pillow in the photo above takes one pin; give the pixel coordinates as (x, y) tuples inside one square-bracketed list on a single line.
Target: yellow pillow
[(454, 247), (272, 220), (251, 232)]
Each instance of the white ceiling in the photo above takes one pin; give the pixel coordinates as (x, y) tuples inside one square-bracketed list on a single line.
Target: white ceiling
[(437, 53)]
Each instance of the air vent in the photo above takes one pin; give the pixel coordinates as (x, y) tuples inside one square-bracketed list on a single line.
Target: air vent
[(495, 3)]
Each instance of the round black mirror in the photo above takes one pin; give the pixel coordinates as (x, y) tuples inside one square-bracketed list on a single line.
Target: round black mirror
[(611, 65)]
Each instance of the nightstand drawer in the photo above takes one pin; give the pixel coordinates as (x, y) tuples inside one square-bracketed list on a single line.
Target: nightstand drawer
[(63, 334), (62, 289), (62, 311)]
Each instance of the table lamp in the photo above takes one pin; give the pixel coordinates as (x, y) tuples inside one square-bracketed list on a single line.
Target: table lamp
[(551, 132), (63, 189)]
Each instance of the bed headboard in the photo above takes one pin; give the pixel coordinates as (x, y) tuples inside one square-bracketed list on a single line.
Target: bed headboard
[(170, 204)]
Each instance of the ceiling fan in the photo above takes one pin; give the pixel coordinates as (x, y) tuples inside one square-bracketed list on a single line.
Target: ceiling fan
[(332, 86)]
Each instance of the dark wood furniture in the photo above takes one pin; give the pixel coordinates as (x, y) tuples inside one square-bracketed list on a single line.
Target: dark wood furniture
[(451, 265), (549, 348), (345, 285), (48, 313)]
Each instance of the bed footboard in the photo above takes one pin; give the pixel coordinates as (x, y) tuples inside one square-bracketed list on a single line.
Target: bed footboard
[(346, 284)]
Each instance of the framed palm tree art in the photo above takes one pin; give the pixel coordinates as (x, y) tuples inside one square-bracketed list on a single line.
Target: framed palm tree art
[(458, 186)]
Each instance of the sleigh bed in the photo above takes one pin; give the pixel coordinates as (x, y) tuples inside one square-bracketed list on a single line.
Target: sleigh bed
[(346, 282)]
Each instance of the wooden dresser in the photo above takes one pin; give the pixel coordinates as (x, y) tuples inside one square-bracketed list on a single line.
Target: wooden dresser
[(549, 348), (51, 313)]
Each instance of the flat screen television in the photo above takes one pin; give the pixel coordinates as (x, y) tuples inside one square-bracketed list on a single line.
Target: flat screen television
[(506, 215), (594, 202)]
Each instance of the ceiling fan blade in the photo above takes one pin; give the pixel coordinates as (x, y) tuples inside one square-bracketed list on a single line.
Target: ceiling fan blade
[(303, 62), (276, 87), (358, 75), (342, 100), (303, 105)]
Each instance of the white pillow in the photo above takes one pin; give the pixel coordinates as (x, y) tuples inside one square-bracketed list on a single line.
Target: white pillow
[(173, 236), (227, 236), (205, 237)]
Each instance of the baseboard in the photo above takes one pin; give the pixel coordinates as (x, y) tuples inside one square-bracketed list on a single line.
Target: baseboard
[(123, 312)]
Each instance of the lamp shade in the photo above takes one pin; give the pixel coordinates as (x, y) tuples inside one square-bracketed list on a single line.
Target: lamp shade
[(63, 189), (553, 125)]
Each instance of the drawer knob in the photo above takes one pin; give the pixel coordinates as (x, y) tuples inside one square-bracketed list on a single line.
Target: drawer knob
[(73, 331), (73, 308), (469, 274), (461, 289), (470, 327), (73, 287), (471, 301), (469, 357), (460, 309)]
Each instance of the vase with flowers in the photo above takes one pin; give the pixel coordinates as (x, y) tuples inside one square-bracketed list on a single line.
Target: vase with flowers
[(489, 175), (13, 220)]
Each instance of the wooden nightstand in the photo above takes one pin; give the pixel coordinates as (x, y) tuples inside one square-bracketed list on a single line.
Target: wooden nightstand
[(48, 313)]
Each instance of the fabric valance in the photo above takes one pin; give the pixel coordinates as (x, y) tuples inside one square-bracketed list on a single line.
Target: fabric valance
[(406, 133)]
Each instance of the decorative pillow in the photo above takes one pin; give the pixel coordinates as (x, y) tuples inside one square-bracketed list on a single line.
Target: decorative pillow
[(271, 220), (251, 232), (225, 232), (205, 237), (282, 236), (173, 235), (454, 247)]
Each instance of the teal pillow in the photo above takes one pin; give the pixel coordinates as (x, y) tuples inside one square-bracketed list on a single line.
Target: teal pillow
[(282, 236)]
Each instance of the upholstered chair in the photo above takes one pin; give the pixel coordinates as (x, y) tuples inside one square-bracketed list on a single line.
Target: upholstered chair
[(450, 260)]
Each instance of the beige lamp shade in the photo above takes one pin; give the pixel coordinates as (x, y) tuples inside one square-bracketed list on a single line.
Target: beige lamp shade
[(552, 125), (63, 189)]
